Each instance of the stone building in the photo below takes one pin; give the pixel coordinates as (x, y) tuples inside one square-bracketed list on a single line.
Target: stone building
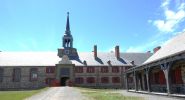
[(29, 70), (163, 72)]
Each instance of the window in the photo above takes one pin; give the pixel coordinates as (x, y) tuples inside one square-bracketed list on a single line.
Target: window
[(33, 74), (90, 69), (104, 69), (105, 80), (79, 80), (177, 76), (79, 69), (115, 69), (50, 69), (1, 74), (65, 71), (16, 74), (162, 79), (49, 80), (115, 79), (90, 80)]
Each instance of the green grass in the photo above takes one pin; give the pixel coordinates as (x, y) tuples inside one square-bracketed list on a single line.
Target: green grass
[(18, 95), (105, 94)]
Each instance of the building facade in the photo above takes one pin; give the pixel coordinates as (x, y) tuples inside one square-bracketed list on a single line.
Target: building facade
[(29, 70), (162, 71)]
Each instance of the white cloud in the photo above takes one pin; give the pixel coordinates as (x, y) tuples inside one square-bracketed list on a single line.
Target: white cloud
[(183, 30), (149, 21), (182, 6), (167, 26), (172, 18), (165, 3), (144, 47), (135, 49)]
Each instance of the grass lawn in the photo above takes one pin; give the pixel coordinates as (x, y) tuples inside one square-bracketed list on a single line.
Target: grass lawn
[(18, 95), (105, 94)]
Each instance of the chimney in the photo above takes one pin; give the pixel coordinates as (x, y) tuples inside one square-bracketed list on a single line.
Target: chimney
[(109, 62), (95, 51), (132, 62), (156, 49), (117, 54), (85, 63)]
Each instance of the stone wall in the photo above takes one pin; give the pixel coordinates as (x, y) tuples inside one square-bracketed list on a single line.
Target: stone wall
[(25, 82)]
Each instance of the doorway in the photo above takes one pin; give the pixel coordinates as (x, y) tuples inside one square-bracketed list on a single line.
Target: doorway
[(63, 81)]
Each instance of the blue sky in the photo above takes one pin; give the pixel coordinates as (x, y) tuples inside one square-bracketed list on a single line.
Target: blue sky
[(134, 25)]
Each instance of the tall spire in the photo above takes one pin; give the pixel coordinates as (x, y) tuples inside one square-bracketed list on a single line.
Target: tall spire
[(67, 38), (68, 25)]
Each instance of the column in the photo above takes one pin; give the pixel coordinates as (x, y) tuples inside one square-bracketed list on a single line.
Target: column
[(165, 67), (135, 81), (147, 78), (126, 81)]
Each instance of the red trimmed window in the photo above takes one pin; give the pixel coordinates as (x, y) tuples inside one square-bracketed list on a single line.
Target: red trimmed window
[(90, 80), (50, 69), (33, 74), (49, 80), (90, 69), (105, 80), (79, 69), (115, 69), (115, 79), (79, 80), (162, 79), (104, 69), (177, 76)]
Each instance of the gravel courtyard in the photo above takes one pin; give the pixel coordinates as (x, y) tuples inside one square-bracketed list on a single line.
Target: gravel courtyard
[(59, 93), (70, 93)]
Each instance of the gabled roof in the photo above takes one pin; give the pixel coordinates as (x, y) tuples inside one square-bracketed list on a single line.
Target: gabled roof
[(28, 58), (174, 46), (103, 58), (51, 58)]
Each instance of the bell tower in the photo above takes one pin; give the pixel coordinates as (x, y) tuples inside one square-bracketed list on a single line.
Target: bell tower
[(67, 43), (67, 38)]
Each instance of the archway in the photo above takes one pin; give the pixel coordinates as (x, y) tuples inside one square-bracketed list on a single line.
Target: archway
[(63, 81), (177, 79), (157, 80)]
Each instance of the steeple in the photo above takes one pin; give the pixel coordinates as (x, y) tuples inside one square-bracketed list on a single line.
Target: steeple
[(67, 38), (67, 24), (67, 43)]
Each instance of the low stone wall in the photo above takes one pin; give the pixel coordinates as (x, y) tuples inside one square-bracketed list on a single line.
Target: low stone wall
[(24, 83), (178, 89), (158, 88)]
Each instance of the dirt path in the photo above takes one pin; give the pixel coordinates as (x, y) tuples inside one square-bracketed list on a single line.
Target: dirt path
[(59, 93)]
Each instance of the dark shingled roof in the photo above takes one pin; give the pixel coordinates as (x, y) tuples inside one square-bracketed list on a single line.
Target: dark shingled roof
[(51, 58)]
